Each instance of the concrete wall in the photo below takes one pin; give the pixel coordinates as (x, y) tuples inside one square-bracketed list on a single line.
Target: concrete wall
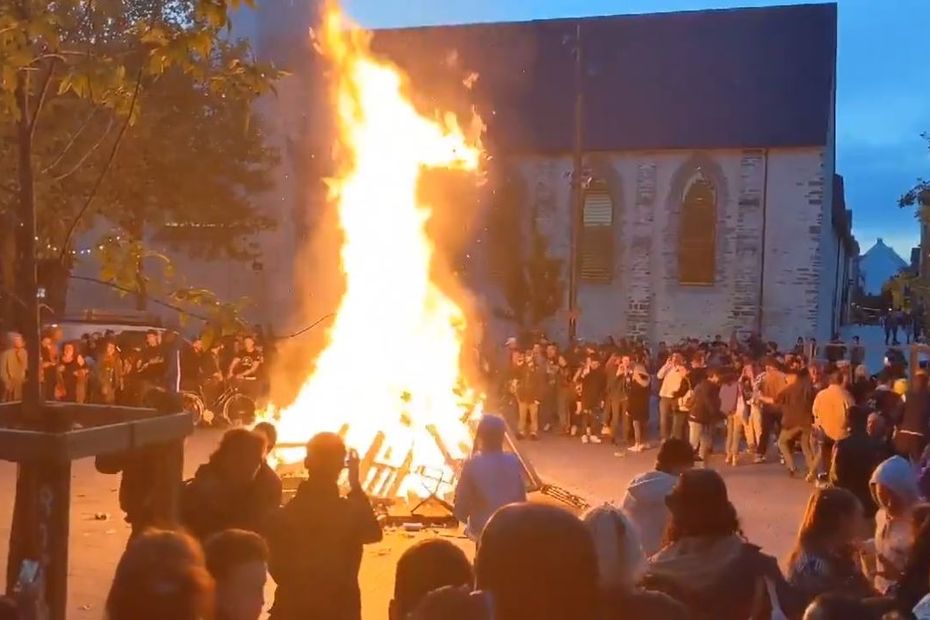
[(645, 296)]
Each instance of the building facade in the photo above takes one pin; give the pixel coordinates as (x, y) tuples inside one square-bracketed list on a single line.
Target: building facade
[(711, 201)]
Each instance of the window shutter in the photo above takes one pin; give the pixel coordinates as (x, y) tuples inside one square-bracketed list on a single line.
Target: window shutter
[(597, 232)]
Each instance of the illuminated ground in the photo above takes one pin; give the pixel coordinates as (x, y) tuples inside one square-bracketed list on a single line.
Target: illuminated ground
[(769, 505)]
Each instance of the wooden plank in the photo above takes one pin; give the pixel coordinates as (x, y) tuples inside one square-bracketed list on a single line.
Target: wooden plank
[(29, 446), (98, 415)]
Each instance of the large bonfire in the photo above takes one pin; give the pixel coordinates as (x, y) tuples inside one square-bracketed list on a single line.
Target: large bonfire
[(407, 415)]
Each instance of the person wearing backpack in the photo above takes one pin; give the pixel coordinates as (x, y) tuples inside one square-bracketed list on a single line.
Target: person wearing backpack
[(708, 565)]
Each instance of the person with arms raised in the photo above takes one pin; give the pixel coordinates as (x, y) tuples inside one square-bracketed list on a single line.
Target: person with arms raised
[(316, 540)]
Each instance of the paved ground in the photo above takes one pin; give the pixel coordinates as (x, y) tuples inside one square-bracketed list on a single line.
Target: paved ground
[(768, 502)]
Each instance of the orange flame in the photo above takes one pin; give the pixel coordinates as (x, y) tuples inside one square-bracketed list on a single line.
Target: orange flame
[(406, 406)]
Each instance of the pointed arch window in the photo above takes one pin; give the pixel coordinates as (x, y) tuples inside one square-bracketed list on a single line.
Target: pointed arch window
[(597, 234), (697, 237)]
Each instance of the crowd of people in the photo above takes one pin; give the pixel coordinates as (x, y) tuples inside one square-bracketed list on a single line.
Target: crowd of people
[(745, 397), (674, 549), (123, 368)]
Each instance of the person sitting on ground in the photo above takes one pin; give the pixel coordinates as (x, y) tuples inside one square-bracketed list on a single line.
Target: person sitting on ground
[(316, 540), (427, 566), (238, 562), (894, 487), (644, 500), (222, 495), (161, 575), (620, 564), (537, 561), (706, 563), (825, 557), (913, 587), (489, 479), (854, 460)]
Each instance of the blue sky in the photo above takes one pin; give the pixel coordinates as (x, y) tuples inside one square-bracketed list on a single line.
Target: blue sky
[(883, 94)]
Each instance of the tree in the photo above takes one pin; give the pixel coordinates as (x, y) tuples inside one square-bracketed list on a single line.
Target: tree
[(136, 113), (919, 194), (531, 279)]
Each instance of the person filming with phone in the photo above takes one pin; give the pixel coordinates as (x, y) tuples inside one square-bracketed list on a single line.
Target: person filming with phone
[(316, 540)]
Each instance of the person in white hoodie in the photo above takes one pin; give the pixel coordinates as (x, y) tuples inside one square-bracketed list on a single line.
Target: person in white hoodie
[(644, 501), (490, 478)]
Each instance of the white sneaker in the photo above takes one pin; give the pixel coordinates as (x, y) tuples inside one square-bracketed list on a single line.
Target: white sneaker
[(620, 454), (585, 439), (574, 430), (547, 428), (637, 448), (595, 439), (606, 432)]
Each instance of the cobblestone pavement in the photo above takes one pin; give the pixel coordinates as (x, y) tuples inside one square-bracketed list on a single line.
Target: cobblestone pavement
[(768, 502)]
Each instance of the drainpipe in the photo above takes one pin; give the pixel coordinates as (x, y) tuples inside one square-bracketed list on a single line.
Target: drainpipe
[(765, 201)]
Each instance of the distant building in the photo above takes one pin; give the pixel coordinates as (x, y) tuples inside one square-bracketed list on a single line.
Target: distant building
[(878, 265)]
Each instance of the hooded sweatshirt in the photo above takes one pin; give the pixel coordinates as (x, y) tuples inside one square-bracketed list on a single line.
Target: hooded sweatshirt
[(644, 504), (717, 577), (893, 534)]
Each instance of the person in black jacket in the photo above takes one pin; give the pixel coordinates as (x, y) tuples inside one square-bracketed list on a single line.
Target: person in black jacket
[(854, 460), (226, 492), (316, 540), (910, 437), (705, 413)]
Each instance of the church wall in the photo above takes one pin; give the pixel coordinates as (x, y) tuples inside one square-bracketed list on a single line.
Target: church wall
[(796, 263), (645, 296)]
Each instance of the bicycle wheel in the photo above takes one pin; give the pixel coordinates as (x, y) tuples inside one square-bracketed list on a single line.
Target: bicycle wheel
[(193, 404), (239, 409)]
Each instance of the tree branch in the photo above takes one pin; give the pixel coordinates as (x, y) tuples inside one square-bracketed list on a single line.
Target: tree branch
[(86, 155), (72, 140), (130, 291), (106, 167), (34, 122)]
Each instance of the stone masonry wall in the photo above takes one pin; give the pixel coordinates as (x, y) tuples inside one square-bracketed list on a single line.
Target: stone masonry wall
[(645, 296)]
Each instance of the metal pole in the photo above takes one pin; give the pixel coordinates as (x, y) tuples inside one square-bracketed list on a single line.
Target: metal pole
[(577, 184)]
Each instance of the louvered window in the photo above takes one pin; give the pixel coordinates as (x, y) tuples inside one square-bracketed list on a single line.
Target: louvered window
[(597, 234), (697, 243)]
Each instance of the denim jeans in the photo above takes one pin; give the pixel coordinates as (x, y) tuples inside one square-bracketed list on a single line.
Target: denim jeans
[(666, 413), (786, 436), (702, 439), (735, 430), (680, 425)]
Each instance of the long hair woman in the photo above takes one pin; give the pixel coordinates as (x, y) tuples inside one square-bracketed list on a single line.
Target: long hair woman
[(621, 563), (161, 575), (825, 556), (707, 564)]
